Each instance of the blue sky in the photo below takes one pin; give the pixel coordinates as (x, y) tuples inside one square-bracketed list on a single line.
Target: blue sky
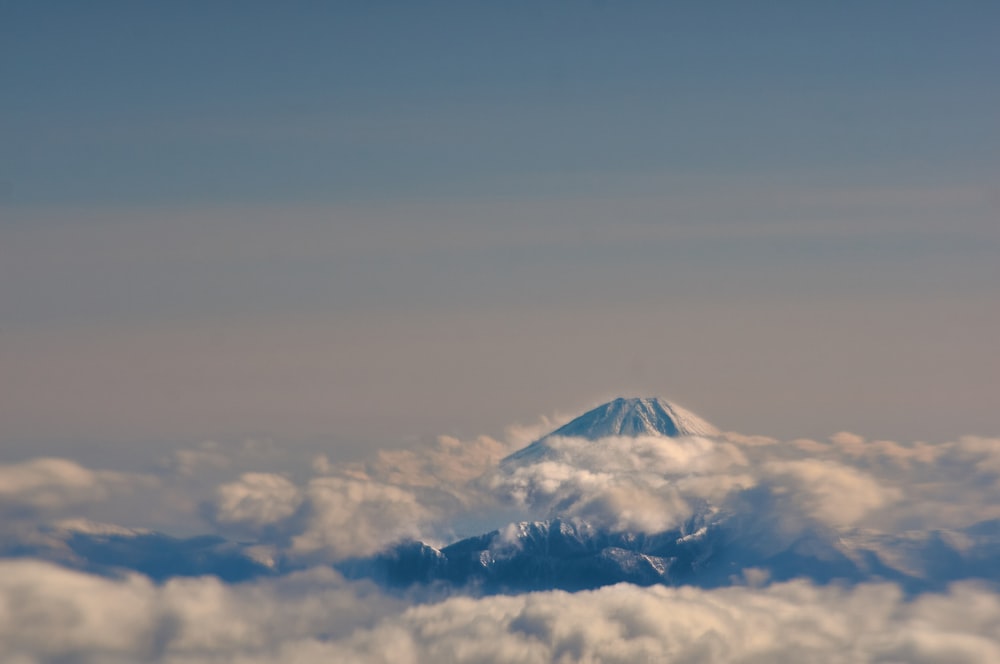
[(114, 103), (246, 219)]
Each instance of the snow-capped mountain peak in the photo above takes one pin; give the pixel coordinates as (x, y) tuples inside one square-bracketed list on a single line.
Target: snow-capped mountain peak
[(645, 416), (633, 417)]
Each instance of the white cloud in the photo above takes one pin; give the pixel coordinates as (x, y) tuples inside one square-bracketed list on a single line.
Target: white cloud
[(846, 482), (50, 614), (347, 516), (189, 461), (868, 491), (55, 485), (647, 483), (255, 501), (449, 461), (835, 494)]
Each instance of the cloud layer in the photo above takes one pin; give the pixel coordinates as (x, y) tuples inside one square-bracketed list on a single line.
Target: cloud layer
[(918, 510), (314, 511), (50, 614)]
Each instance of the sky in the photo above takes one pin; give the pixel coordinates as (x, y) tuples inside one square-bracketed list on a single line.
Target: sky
[(356, 226)]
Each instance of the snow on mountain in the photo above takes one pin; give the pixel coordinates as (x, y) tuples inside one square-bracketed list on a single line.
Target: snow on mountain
[(632, 417), (662, 498), (571, 555), (707, 552), (596, 529)]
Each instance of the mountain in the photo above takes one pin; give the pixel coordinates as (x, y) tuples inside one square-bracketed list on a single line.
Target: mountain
[(742, 540), (634, 417), (710, 549), (541, 555), (747, 538), (708, 553)]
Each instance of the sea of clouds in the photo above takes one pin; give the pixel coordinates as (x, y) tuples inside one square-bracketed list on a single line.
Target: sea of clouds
[(297, 517)]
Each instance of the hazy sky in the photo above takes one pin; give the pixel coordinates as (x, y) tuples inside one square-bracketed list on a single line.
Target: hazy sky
[(359, 224)]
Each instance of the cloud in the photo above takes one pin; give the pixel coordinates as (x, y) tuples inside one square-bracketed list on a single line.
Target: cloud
[(449, 461), (188, 461), (833, 493), (649, 484), (847, 485), (327, 519), (212, 458), (357, 508), (255, 501), (910, 504), (346, 516), (50, 614), (431, 491), (846, 482), (47, 486), (896, 486)]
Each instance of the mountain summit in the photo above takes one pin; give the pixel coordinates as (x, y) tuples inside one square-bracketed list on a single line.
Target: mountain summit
[(638, 416)]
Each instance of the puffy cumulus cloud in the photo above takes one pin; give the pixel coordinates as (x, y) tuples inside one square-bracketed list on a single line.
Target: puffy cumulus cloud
[(448, 462), (49, 614), (431, 491), (785, 622), (651, 454), (880, 495), (43, 499), (984, 453), (845, 482), (891, 485), (256, 501), (45, 486), (647, 503), (326, 519), (835, 494), (346, 516), (298, 518), (357, 508), (647, 484)]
